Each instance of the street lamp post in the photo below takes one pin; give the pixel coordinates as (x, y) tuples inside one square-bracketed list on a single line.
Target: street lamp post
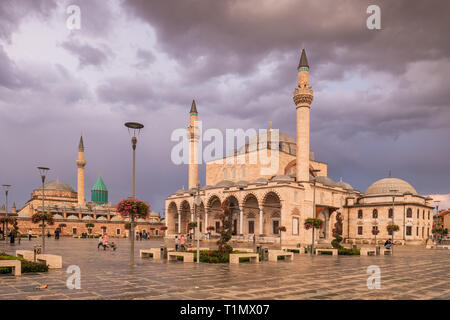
[(135, 127), (43, 171), (6, 188), (437, 211), (197, 202), (393, 221), (314, 209)]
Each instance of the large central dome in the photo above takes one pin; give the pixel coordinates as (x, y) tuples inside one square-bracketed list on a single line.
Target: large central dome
[(58, 185), (384, 186)]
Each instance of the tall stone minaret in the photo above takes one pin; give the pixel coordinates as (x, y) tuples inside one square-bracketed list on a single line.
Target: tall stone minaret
[(193, 135), (303, 96), (81, 163)]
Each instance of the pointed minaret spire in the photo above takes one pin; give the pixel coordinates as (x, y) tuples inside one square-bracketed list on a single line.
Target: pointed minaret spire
[(303, 60), (193, 108), (81, 145), (390, 174)]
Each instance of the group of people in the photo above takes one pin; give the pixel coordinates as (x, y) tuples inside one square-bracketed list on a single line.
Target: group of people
[(142, 235), (103, 241), (180, 243)]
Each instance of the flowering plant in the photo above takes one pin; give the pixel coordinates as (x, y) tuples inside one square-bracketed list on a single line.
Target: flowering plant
[(162, 228), (128, 225), (210, 228), (192, 225), (375, 231), (130, 207), (281, 228), (38, 217), (392, 227), (89, 225), (313, 223)]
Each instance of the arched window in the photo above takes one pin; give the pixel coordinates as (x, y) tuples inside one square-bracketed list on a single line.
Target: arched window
[(233, 173), (375, 213), (409, 213), (418, 213), (225, 174), (390, 213), (360, 214)]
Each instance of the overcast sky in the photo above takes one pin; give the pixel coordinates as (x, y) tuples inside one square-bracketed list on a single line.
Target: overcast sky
[(382, 97)]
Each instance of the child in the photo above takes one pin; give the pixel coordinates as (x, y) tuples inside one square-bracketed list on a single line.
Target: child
[(113, 245)]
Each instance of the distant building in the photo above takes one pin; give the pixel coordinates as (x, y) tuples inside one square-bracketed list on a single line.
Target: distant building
[(442, 219), (69, 208)]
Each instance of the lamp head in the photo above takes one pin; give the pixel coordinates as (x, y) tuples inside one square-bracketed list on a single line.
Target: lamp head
[(6, 186), (135, 127)]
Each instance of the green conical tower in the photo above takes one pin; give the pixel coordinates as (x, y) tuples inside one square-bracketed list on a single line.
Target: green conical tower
[(99, 192)]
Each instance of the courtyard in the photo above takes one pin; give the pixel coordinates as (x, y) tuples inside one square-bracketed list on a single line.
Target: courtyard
[(412, 273)]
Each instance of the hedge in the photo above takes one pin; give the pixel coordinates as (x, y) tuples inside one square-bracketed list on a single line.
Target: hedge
[(27, 266)]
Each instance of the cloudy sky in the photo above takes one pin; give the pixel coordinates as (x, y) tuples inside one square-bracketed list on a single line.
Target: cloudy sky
[(382, 97)]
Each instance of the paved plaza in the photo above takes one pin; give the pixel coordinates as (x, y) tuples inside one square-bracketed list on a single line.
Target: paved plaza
[(412, 273)]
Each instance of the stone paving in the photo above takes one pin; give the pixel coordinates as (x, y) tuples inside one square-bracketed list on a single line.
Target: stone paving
[(412, 273)]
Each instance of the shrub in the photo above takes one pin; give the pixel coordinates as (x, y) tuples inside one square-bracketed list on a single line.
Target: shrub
[(27, 266), (313, 223), (348, 252), (128, 207)]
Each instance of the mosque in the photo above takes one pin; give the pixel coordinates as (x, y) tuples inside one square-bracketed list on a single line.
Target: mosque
[(260, 204), (72, 213)]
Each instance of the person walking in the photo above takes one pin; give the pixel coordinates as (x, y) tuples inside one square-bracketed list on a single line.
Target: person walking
[(105, 241), (177, 243), (140, 235), (183, 242), (30, 234), (100, 242)]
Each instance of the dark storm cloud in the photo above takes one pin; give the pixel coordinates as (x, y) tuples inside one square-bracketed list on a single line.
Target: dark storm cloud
[(145, 58), (87, 54)]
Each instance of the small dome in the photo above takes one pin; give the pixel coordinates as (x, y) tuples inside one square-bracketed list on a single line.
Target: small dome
[(242, 183), (115, 218), (282, 178), (140, 220), (344, 185), (383, 186), (326, 181), (181, 191), (58, 216), (87, 218), (207, 187), (225, 184), (261, 181), (58, 185), (154, 214), (101, 218), (72, 217)]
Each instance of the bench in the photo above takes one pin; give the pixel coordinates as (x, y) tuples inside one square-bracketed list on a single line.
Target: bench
[(187, 256), (301, 250), (244, 249), (334, 251), (274, 254), (368, 252), (15, 264), (385, 252), (25, 254), (51, 260), (154, 253), (234, 257)]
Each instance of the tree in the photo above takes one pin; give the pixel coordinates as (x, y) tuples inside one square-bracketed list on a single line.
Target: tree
[(313, 223), (225, 232), (337, 232)]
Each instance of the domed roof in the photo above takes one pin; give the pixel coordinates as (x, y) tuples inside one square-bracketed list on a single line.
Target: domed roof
[(72, 217), (344, 185), (253, 141), (383, 186), (115, 218), (181, 191), (225, 184), (58, 216), (261, 180), (58, 185), (101, 218), (282, 178), (154, 214), (207, 187), (99, 185), (326, 181), (242, 183)]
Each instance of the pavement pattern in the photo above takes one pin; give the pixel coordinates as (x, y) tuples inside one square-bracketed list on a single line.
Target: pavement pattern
[(412, 273)]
